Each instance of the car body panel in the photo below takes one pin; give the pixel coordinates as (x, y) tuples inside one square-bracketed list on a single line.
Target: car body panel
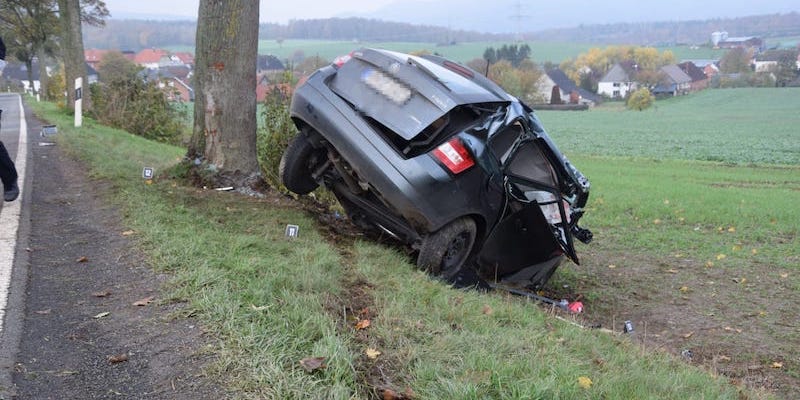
[(376, 115)]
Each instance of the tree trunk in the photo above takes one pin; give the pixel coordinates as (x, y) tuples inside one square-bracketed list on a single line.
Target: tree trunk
[(72, 48), (224, 132), (43, 78)]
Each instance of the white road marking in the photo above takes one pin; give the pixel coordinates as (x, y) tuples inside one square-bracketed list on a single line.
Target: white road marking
[(9, 218)]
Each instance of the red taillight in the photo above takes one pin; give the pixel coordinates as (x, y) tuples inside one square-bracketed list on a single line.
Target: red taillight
[(339, 61), (454, 156), (459, 69)]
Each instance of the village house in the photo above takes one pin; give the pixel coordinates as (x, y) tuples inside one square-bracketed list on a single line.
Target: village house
[(555, 80), (700, 80), (150, 58), (675, 83), (618, 81)]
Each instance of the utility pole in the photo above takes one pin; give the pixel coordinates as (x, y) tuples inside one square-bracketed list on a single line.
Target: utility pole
[(518, 17)]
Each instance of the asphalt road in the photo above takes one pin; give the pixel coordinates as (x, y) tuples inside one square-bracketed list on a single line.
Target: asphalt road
[(72, 284), (14, 231)]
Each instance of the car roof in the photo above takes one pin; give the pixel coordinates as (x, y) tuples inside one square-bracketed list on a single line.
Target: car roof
[(433, 88)]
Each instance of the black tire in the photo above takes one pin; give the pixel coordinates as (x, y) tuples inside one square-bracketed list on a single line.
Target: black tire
[(445, 251), (297, 164)]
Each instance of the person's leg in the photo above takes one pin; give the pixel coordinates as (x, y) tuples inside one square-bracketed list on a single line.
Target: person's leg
[(8, 174)]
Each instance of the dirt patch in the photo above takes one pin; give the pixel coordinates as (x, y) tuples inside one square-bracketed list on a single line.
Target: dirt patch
[(83, 336), (711, 317)]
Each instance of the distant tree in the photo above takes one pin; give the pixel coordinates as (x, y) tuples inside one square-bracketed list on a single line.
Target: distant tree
[(114, 68), (588, 68), (479, 64), (640, 100), (520, 82), (30, 27), (309, 65), (736, 61), (650, 78), (224, 132)]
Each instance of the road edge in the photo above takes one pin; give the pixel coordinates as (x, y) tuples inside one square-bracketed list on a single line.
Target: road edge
[(12, 320)]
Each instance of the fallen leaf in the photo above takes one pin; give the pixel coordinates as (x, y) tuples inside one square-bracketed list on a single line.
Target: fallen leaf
[(684, 289), (731, 229), (118, 358), (709, 264), (754, 251), (82, 259), (259, 308), (128, 233), (672, 271), (584, 382), (777, 364), (612, 266), (104, 293), (666, 201), (363, 324), (784, 276), (721, 256), (688, 335), (389, 394), (487, 310), (736, 247), (656, 221), (311, 364), (102, 315), (729, 329), (723, 358), (743, 281), (372, 353), (43, 312), (143, 302)]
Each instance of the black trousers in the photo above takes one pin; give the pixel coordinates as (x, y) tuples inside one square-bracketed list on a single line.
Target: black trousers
[(8, 173)]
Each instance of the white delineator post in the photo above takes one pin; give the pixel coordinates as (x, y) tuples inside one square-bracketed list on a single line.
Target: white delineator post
[(78, 102)]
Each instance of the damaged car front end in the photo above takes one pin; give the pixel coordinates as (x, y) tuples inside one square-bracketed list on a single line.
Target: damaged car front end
[(441, 158)]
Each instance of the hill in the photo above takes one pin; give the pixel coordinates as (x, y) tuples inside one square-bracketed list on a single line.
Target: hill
[(138, 34)]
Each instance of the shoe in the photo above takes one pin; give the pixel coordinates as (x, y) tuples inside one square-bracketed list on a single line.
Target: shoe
[(11, 193)]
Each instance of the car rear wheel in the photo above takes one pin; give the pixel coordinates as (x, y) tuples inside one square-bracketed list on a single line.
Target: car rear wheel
[(297, 164), (445, 251)]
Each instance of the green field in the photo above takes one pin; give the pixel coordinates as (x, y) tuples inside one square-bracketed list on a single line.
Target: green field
[(739, 126), (540, 51)]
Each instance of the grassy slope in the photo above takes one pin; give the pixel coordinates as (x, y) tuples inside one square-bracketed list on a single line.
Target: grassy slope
[(269, 300)]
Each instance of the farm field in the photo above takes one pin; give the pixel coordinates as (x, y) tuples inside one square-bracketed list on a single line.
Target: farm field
[(740, 126), (540, 51)]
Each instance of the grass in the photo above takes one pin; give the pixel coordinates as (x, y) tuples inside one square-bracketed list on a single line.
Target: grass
[(272, 301), (740, 126)]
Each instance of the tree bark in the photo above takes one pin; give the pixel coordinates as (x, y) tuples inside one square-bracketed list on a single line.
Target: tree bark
[(43, 78), (224, 132), (72, 50)]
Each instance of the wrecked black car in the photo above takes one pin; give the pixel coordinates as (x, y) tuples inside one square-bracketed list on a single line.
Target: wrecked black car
[(441, 158)]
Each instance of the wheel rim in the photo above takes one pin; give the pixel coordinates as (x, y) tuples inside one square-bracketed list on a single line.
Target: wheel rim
[(455, 253)]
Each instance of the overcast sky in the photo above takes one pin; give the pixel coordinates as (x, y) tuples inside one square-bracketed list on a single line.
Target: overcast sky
[(480, 15), (271, 10)]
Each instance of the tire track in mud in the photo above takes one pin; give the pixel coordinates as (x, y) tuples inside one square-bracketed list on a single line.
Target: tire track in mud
[(379, 377)]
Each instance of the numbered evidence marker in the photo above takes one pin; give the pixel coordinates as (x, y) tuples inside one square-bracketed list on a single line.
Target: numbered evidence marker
[(292, 231), (147, 173)]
